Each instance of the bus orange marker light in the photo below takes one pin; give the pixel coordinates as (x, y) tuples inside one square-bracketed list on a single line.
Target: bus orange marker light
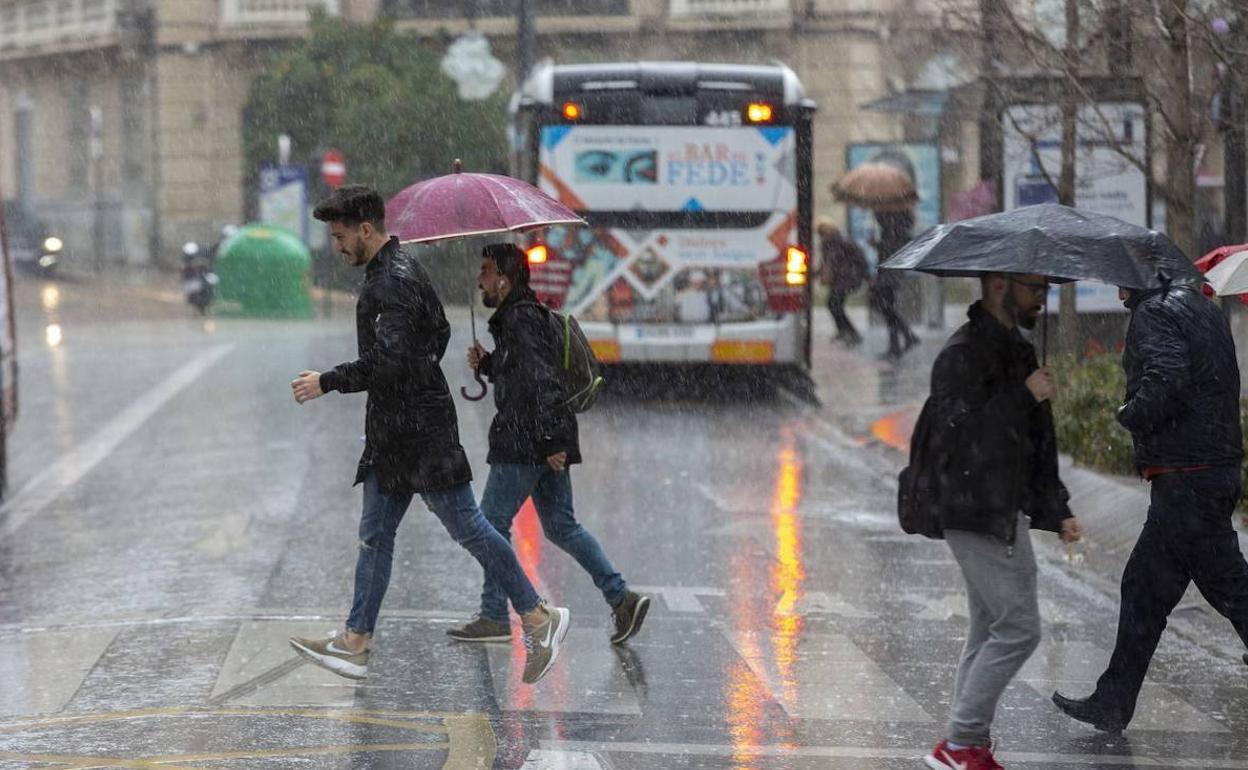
[(538, 254), (572, 111), (758, 112)]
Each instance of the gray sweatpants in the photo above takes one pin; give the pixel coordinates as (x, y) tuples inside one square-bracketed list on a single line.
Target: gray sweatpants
[(1004, 626)]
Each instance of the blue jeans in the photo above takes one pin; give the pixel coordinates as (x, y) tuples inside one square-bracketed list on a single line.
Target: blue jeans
[(505, 491), (457, 509)]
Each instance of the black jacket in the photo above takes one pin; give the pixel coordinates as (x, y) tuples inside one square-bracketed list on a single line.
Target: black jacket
[(1182, 401), (994, 445), (411, 431), (844, 267), (532, 422)]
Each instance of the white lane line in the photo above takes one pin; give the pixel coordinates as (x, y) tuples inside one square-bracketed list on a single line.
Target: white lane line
[(50, 483), (543, 759), (866, 752)]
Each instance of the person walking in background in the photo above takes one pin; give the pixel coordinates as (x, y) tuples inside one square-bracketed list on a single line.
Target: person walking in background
[(533, 444), (992, 455), (411, 439), (1182, 409), (842, 269), (895, 232)]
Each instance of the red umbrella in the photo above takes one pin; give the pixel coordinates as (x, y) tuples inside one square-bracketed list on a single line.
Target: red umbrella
[(461, 205), (1213, 259)]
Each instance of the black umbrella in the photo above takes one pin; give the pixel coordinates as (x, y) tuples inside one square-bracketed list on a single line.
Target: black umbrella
[(1048, 239), (1062, 243)]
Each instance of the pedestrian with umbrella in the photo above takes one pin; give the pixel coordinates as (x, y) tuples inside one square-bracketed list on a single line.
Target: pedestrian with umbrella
[(411, 439), (1182, 409), (890, 195), (988, 437)]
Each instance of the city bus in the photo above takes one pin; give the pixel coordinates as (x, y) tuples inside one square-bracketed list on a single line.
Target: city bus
[(8, 353), (695, 180)]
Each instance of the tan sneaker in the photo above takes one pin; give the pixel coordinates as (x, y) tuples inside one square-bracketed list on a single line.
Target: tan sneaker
[(481, 629), (543, 641), (628, 616), (330, 653)]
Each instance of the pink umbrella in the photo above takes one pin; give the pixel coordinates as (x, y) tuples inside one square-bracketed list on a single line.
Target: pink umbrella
[(461, 205)]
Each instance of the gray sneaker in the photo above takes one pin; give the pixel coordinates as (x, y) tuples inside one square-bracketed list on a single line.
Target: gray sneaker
[(543, 641), (481, 629), (628, 616), (330, 653)]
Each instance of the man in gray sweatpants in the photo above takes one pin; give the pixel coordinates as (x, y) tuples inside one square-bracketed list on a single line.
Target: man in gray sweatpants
[(992, 452)]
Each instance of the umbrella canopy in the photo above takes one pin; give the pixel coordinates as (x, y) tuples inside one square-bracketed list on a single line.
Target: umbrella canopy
[(876, 186), (1057, 241), (459, 205), (1226, 270)]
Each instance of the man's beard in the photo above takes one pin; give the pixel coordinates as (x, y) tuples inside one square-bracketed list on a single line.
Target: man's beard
[(488, 299), (1022, 316)]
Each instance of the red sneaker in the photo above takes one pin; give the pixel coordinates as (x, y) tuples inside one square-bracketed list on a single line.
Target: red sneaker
[(970, 758)]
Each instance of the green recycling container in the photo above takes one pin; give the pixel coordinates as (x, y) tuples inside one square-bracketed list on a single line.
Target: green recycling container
[(267, 271)]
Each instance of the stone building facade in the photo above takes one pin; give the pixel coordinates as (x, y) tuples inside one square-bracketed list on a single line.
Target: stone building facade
[(121, 120)]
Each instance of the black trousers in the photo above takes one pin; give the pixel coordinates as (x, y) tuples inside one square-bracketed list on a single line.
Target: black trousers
[(837, 297), (1188, 537), (884, 300)]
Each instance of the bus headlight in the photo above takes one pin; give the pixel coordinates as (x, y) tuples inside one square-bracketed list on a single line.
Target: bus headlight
[(538, 254), (796, 266), (52, 243)]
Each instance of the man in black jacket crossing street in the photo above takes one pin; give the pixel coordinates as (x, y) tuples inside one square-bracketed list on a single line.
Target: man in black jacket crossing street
[(1182, 408), (533, 442), (994, 476), (411, 438)]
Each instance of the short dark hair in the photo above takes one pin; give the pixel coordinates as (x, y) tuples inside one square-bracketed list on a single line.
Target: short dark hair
[(511, 261), (353, 205)]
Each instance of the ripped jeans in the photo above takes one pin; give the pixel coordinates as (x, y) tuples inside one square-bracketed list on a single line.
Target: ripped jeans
[(457, 509)]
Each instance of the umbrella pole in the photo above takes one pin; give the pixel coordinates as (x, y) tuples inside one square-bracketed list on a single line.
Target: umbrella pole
[(472, 316), (1044, 332)]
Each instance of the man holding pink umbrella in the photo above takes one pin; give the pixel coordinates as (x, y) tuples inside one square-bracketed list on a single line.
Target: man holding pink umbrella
[(411, 439)]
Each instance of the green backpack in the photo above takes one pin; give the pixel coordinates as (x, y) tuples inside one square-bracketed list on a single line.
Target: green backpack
[(578, 367)]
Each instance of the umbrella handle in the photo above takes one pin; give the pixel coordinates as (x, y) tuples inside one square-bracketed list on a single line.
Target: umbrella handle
[(463, 390)]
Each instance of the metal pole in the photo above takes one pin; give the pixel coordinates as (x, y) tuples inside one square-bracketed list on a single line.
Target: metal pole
[(1235, 159), (524, 39)]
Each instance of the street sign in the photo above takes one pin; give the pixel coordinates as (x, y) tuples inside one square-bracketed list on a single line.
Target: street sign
[(283, 198), (334, 169)]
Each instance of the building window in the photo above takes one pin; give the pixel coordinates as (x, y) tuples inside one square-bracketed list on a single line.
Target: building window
[(273, 11), (78, 134), (726, 8), (463, 9), (26, 23)]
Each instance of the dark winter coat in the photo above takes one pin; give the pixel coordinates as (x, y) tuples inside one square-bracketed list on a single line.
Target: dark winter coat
[(533, 421), (994, 445), (844, 267), (411, 430), (1182, 400)]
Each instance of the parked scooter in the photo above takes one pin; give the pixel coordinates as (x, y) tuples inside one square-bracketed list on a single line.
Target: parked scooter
[(198, 279)]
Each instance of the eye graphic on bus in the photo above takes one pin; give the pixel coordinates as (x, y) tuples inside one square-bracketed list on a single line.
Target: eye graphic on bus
[(607, 167)]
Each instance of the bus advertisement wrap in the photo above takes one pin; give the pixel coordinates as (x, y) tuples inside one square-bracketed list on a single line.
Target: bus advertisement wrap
[(669, 269), (670, 168)]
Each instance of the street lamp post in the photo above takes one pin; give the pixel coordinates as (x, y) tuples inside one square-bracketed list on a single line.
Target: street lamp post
[(524, 40)]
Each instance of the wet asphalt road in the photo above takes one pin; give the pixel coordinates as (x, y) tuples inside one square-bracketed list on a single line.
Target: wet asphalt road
[(174, 516)]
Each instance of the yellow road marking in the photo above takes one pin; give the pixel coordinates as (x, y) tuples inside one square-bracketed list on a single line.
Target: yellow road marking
[(470, 741)]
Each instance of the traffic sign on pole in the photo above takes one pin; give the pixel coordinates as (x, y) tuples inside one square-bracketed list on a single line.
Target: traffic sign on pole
[(334, 169)]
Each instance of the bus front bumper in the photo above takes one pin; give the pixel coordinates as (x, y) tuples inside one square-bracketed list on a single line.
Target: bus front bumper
[(768, 342)]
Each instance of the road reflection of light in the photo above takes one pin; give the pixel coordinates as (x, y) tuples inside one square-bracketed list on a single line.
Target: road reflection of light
[(788, 572), (526, 539), (53, 335), (894, 430), (210, 326), (50, 297), (746, 695)]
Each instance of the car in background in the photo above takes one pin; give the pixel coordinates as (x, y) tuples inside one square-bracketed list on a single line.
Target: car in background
[(32, 244)]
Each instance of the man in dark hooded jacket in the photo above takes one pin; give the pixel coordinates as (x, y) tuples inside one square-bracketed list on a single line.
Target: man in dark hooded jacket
[(533, 441), (411, 438), (994, 476), (1182, 408)]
